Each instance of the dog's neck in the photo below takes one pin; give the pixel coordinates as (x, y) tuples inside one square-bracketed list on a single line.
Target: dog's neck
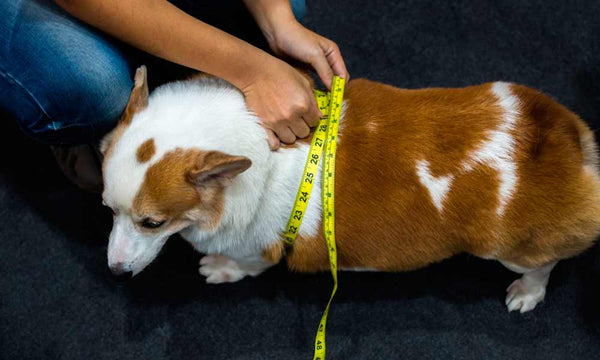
[(257, 207)]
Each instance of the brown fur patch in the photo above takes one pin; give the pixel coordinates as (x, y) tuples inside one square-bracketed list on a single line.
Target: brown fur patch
[(274, 253), (145, 151), (385, 218), (166, 192)]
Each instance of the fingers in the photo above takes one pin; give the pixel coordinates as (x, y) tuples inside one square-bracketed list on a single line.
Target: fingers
[(321, 65), (272, 139), (305, 115), (334, 58), (329, 62), (313, 114), (285, 134), (286, 130), (300, 128), (289, 131)]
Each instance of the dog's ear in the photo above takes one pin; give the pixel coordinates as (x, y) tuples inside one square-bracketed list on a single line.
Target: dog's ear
[(214, 167), (138, 99)]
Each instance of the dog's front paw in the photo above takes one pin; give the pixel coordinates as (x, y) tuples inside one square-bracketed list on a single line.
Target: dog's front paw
[(524, 298), (220, 269)]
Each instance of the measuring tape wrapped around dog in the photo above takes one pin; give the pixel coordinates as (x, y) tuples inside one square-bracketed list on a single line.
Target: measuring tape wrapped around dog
[(324, 143)]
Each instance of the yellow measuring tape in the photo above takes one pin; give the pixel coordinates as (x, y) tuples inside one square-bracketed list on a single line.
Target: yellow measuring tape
[(324, 138)]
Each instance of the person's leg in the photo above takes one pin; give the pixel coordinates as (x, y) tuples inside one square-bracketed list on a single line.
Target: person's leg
[(63, 82), (299, 9)]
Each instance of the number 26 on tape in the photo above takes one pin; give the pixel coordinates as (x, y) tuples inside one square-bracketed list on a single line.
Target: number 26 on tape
[(315, 159)]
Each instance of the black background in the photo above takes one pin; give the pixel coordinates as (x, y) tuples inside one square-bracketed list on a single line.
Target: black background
[(58, 301)]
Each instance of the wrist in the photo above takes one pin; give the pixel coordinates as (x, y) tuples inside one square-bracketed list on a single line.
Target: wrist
[(255, 69), (280, 30)]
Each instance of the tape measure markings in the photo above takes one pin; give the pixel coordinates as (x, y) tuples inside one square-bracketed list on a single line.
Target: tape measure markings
[(337, 97), (310, 170), (324, 139)]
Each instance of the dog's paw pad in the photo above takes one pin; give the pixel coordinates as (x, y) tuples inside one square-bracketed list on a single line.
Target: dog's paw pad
[(523, 298), (220, 269)]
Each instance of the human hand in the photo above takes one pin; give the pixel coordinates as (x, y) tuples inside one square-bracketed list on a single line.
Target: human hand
[(284, 102), (294, 40)]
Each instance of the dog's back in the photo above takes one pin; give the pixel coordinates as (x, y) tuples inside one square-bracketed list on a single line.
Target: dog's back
[(498, 170)]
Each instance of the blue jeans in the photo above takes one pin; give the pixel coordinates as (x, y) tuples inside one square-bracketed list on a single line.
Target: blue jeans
[(64, 82)]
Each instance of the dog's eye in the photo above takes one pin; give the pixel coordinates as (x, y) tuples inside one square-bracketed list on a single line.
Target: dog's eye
[(151, 224)]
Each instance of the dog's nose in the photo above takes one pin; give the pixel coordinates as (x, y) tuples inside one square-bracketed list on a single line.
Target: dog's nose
[(121, 276)]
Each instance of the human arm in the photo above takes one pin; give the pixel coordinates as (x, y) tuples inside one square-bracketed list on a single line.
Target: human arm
[(278, 95), (286, 36)]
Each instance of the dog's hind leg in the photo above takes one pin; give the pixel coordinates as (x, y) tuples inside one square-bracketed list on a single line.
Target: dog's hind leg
[(525, 293)]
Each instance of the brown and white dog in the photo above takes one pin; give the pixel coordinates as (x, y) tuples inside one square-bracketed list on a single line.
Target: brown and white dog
[(497, 170)]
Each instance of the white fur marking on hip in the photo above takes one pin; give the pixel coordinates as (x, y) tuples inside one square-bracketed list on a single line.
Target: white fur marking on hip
[(438, 186), (497, 151)]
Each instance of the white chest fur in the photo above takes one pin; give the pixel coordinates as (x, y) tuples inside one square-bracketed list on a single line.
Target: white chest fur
[(246, 229)]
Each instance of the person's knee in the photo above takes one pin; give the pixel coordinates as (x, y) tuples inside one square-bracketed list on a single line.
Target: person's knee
[(299, 10), (78, 108), (63, 83), (96, 97)]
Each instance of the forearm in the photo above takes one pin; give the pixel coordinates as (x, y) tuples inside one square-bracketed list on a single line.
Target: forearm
[(163, 30)]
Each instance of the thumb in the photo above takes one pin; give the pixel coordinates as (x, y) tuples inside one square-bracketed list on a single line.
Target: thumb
[(322, 67)]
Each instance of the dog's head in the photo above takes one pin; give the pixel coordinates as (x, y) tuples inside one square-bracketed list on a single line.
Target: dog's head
[(156, 189)]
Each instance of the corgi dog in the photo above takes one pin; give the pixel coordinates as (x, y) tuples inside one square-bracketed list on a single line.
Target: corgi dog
[(498, 170)]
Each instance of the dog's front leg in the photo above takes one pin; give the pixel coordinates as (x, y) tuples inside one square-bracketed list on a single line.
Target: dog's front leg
[(221, 269)]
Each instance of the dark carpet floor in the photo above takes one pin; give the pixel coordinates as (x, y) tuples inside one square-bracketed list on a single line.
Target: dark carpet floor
[(57, 300)]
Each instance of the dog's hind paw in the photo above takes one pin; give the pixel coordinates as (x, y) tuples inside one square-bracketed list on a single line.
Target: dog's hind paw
[(220, 269), (524, 298)]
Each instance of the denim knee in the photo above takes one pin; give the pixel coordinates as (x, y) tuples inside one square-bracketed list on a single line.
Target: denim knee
[(299, 10), (61, 80)]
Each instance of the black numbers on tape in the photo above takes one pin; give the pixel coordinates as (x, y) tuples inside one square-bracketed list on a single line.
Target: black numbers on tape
[(319, 142), (315, 159), (293, 229), (304, 197), (309, 177), (298, 215)]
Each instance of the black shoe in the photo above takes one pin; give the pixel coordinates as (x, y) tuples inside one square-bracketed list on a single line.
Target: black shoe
[(81, 164)]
